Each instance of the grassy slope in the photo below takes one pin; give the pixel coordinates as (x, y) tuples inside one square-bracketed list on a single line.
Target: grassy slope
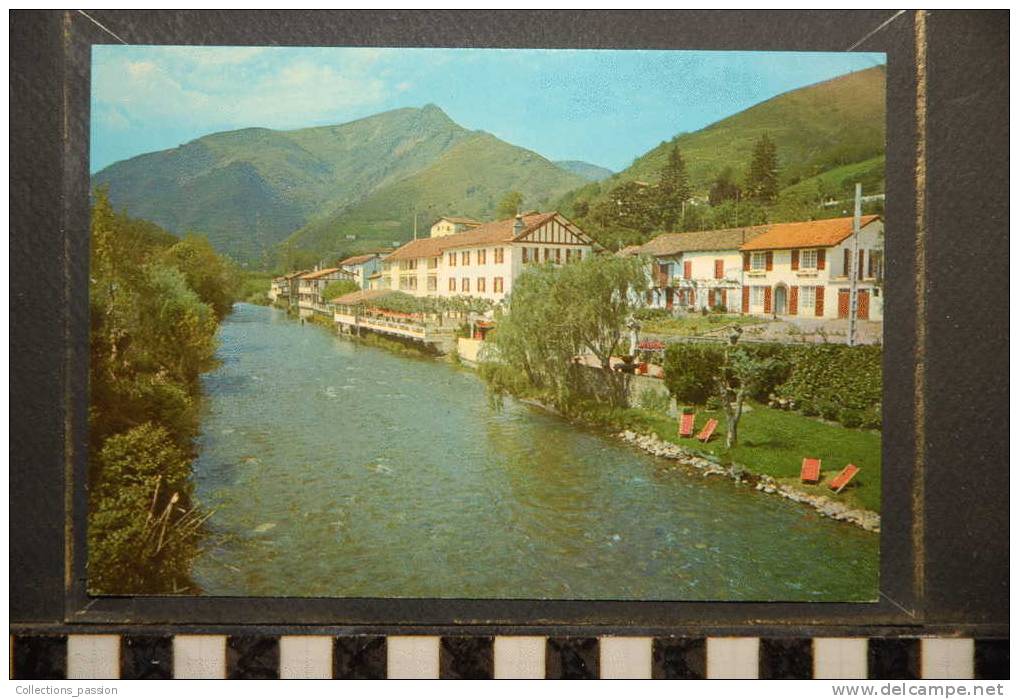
[(468, 179), (815, 128), (774, 442)]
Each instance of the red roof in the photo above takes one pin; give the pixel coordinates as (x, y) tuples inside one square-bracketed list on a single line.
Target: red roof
[(324, 273), (806, 234), (485, 234), (358, 259)]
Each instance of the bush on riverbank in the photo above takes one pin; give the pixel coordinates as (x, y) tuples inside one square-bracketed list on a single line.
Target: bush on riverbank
[(836, 382), (155, 302)]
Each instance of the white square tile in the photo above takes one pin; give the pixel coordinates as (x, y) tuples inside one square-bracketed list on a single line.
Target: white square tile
[(519, 657), (93, 657), (625, 658), (732, 658), (412, 657), (306, 657), (199, 657), (946, 658), (840, 658)]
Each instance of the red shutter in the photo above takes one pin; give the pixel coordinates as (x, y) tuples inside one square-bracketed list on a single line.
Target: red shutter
[(863, 304), (795, 263), (719, 269), (820, 259), (746, 299), (746, 262), (843, 303), (794, 299), (768, 260), (767, 298), (845, 263), (859, 267), (711, 298), (725, 303), (687, 269), (819, 296)]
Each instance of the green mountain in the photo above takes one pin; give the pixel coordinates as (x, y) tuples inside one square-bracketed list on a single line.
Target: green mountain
[(816, 129), (469, 179), (250, 189), (594, 173)]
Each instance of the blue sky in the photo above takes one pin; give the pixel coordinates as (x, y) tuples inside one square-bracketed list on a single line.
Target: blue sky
[(605, 107)]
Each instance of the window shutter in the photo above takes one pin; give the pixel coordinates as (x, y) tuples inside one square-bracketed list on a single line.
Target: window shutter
[(859, 266), (845, 263), (794, 300), (819, 299), (724, 300), (687, 269), (746, 262), (746, 299), (711, 298), (795, 263), (719, 269), (768, 258), (820, 259), (767, 297), (525, 255)]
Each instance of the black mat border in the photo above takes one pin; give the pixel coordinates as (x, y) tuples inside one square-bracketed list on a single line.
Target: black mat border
[(49, 254)]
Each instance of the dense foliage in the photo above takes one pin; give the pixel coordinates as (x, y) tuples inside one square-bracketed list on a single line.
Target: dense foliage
[(341, 287), (155, 302), (837, 382), (558, 314)]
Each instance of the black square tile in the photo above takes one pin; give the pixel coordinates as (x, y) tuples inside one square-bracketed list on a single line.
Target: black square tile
[(571, 659), (786, 659), (359, 658), (40, 658), (679, 659), (893, 659), (990, 659), (466, 658), (252, 657), (146, 657)]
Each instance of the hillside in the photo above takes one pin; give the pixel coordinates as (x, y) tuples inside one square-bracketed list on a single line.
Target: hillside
[(816, 129), (594, 173), (249, 189), (469, 179)]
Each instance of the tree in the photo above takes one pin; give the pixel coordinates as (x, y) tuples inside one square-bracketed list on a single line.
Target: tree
[(762, 180), (557, 316), (628, 205), (740, 375), (724, 188), (339, 288), (509, 205), (208, 274), (673, 191)]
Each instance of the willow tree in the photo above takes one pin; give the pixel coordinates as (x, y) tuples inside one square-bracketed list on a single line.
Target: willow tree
[(563, 326)]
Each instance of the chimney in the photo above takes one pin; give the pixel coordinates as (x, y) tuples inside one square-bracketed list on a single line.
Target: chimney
[(518, 225)]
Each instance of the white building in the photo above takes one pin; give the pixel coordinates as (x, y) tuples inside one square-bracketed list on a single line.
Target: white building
[(697, 269), (804, 269), (483, 261), (451, 225), (310, 286)]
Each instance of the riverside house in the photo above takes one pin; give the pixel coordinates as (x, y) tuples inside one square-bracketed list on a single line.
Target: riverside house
[(363, 267), (310, 286), (283, 289), (484, 260), (697, 270), (804, 269)]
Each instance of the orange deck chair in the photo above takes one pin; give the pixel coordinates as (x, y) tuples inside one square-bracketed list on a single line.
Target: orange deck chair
[(810, 471), (686, 425), (842, 480), (709, 429)]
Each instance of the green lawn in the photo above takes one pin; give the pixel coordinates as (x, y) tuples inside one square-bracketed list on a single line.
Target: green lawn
[(774, 442), (697, 324)]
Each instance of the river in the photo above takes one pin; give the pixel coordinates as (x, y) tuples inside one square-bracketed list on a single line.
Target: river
[(341, 470)]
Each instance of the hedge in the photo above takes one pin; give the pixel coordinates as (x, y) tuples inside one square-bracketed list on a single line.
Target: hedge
[(836, 382)]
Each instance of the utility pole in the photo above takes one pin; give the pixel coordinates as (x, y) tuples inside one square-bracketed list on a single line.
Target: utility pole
[(853, 267)]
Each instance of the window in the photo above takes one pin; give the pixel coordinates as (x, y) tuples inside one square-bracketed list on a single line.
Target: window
[(498, 256), (808, 259), (433, 283), (452, 259), (569, 252), (433, 263), (806, 299), (758, 263), (465, 258), (497, 285), (452, 284), (481, 285), (757, 295), (548, 254), (465, 284), (719, 269), (558, 255), (481, 257), (876, 265), (535, 257), (525, 255)]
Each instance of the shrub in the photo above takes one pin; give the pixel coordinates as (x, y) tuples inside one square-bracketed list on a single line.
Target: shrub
[(689, 371), (652, 314)]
